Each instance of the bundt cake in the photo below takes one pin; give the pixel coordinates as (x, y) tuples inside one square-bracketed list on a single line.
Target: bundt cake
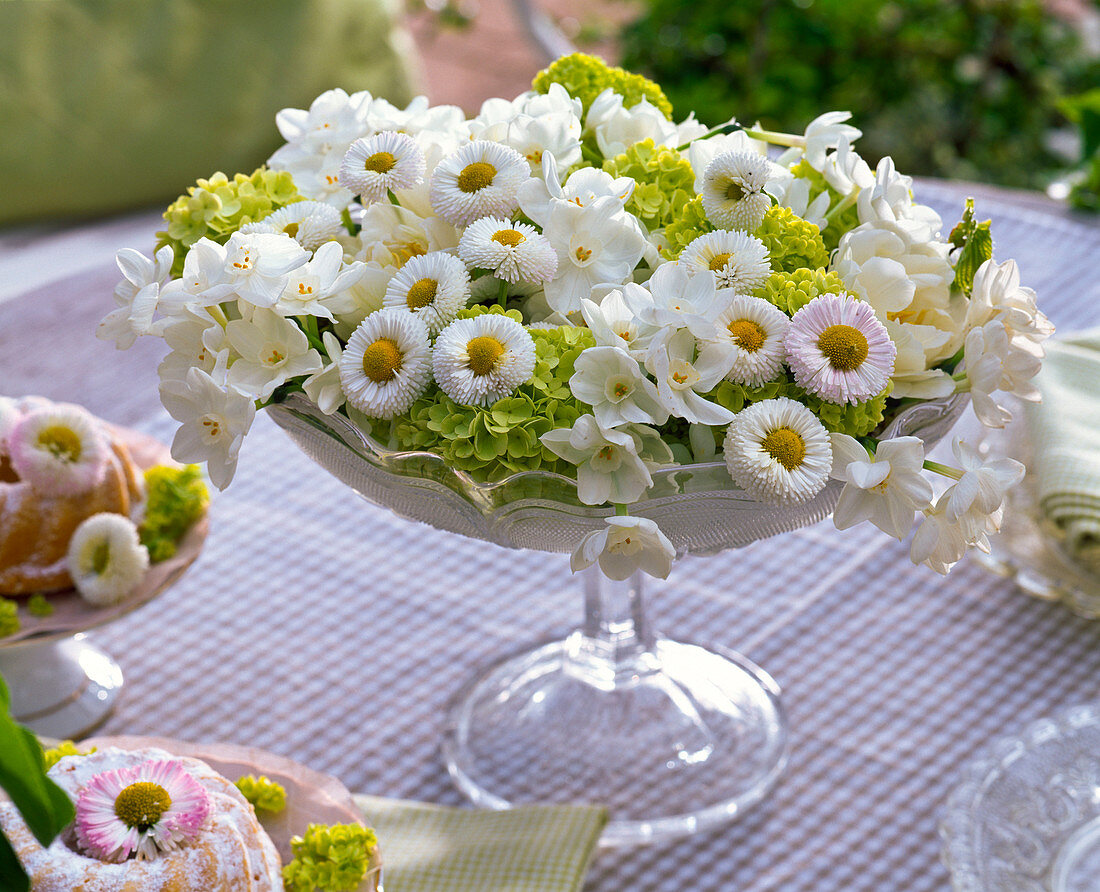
[(40, 510), (224, 849)]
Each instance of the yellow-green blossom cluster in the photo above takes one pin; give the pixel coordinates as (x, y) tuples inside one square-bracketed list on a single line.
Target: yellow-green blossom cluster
[(792, 291), (218, 207), (686, 226), (792, 243), (494, 441), (9, 617), (175, 499), (333, 858), (265, 795), (55, 754), (854, 419), (664, 178), (585, 77), (37, 605)]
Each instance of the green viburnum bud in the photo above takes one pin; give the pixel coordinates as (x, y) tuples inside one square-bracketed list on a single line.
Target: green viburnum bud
[(38, 605), (690, 223), (217, 207), (264, 794), (334, 858), (175, 498), (585, 77), (9, 617), (791, 291), (665, 182), (55, 754), (792, 243)]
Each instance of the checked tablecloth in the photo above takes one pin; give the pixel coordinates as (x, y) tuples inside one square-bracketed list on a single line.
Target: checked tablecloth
[(327, 630)]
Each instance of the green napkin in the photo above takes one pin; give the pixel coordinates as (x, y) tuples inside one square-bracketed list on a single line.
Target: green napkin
[(1065, 435), (430, 848)]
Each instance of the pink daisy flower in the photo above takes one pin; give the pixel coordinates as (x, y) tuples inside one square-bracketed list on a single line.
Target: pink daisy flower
[(139, 811), (838, 350), (59, 449)]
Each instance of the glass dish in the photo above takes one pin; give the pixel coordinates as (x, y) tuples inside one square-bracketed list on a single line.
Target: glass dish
[(1026, 817)]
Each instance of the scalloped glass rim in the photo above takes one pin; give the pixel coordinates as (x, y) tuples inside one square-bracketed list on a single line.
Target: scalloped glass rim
[(958, 826)]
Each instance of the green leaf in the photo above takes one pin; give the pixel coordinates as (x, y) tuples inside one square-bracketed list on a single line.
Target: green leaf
[(975, 244), (12, 876)]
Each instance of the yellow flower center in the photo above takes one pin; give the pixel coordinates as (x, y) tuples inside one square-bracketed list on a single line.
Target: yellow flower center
[(142, 804), (61, 442), (382, 361), (747, 335), (212, 425), (679, 377), (291, 229), (380, 162), (304, 290), (718, 262), (101, 555), (402, 254), (509, 237), (583, 253), (845, 347), (605, 453), (785, 446), (734, 191), (421, 294), (621, 390), (476, 176), (484, 352)]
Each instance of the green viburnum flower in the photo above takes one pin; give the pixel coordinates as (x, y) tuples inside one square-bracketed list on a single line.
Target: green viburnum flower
[(845, 221), (9, 617), (690, 223), (585, 77), (264, 794), (37, 605), (334, 858), (175, 499), (55, 754), (665, 182), (492, 442), (791, 291), (854, 419), (793, 243), (218, 207)]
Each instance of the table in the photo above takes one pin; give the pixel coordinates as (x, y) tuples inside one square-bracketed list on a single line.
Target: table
[(325, 629)]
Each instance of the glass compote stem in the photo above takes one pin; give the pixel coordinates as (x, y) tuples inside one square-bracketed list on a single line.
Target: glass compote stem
[(671, 737)]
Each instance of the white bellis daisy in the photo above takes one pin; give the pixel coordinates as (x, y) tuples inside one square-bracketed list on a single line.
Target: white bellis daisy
[(479, 180), (59, 450), (386, 364), (106, 558), (733, 190), (481, 360), (756, 330), (737, 261), (515, 252), (387, 161), (838, 350), (309, 223), (433, 286), (778, 452)]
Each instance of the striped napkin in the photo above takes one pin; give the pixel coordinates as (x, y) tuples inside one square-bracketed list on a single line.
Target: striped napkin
[(1065, 436), (430, 848)]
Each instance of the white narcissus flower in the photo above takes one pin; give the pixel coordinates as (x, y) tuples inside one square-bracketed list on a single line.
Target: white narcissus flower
[(610, 380), (674, 299), (258, 266), (823, 133), (890, 199), (997, 294), (737, 261), (269, 351), (387, 363), (312, 288), (614, 324), (59, 449), (213, 422), (309, 223), (433, 286), (627, 545), (479, 180), (515, 252), (685, 368), (378, 165), (733, 193), (994, 362), (795, 194), (938, 543), (983, 485), (778, 452), (845, 170), (106, 558), (585, 186), (323, 387), (610, 467), (195, 339), (136, 297), (392, 235), (595, 244), (481, 360), (617, 128), (885, 487)]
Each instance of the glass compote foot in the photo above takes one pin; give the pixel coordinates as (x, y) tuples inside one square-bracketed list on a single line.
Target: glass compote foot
[(671, 737)]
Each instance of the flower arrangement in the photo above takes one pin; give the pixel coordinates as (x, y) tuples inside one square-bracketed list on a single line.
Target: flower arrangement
[(574, 281)]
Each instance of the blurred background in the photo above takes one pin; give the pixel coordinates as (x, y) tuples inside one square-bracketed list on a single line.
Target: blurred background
[(113, 106)]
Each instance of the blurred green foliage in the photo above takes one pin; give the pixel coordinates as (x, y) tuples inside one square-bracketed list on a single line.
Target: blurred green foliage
[(1084, 111), (959, 88)]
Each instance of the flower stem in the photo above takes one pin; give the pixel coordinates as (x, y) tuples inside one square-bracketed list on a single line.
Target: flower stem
[(776, 138), (622, 510), (944, 470), (502, 297), (308, 325), (842, 205), (723, 130)]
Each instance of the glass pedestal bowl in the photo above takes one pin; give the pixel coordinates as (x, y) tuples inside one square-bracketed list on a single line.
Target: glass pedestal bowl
[(672, 737)]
